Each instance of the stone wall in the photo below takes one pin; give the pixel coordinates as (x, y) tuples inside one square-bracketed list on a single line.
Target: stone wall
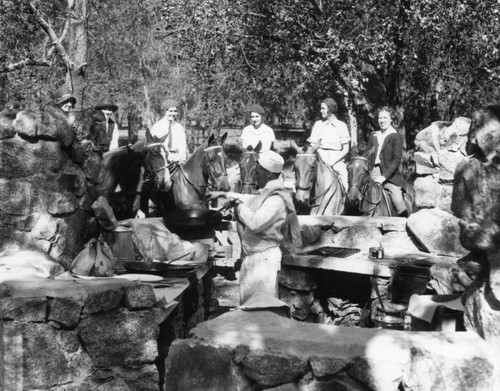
[(260, 350), (102, 334), (439, 148), (47, 174)]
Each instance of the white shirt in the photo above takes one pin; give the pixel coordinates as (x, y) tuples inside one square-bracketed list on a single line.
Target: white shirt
[(177, 151), (251, 136), (333, 134), (380, 139)]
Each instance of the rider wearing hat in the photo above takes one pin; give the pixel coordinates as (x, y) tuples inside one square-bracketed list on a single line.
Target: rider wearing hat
[(257, 130), (104, 128), (267, 222), (64, 98), (175, 143)]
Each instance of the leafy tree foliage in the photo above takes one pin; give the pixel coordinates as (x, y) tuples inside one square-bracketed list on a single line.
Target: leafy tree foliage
[(430, 60)]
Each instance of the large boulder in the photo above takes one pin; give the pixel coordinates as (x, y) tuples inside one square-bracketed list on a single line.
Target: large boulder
[(437, 231)]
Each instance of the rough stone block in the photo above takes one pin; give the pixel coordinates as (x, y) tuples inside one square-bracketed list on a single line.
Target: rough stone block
[(27, 122), (65, 311), (25, 309), (211, 368), (120, 337), (427, 189), (40, 157), (43, 344), (270, 369), (102, 300), (139, 296)]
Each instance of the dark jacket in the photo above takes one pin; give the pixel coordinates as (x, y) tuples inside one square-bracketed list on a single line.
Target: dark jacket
[(99, 135), (390, 157)]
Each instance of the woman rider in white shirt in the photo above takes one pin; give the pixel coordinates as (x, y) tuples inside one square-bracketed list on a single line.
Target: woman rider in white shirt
[(334, 137)]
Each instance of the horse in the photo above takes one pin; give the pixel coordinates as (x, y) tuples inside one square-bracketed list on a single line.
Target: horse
[(247, 165), (191, 179), (318, 185), (366, 197), (123, 167)]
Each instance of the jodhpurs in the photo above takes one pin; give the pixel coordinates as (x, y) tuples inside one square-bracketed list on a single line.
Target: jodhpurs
[(395, 192)]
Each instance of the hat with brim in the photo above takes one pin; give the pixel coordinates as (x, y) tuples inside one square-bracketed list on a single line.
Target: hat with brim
[(256, 109), (271, 161), (63, 95), (106, 104), (168, 103)]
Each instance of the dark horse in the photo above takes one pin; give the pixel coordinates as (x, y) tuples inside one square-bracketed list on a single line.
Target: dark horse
[(365, 197), (190, 180), (247, 164), (122, 169), (318, 185)]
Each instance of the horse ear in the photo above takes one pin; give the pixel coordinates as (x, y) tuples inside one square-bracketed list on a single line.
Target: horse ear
[(148, 135), (161, 139), (223, 138), (211, 139), (258, 147)]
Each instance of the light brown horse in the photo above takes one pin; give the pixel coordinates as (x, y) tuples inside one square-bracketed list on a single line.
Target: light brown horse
[(318, 185), (366, 197)]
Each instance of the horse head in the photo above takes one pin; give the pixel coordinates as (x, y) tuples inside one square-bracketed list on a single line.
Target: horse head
[(248, 162), (156, 161), (305, 173), (358, 172), (214, 166)]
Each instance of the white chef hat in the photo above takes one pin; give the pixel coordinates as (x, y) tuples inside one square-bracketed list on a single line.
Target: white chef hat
[(271, 161)]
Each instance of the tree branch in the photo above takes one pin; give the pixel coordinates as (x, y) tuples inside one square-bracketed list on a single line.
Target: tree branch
[(24, 63), (56, 42)]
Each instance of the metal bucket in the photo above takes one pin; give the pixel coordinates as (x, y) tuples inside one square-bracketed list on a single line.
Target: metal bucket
[(120, 242)]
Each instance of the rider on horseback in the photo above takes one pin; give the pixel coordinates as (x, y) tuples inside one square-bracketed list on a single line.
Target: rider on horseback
[(385, 151), (333, 137)]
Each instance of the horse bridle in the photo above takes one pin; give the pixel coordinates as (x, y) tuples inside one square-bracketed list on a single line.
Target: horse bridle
[(363, 189), (211, 173), (298, 186), (248, 153), (156, 171)]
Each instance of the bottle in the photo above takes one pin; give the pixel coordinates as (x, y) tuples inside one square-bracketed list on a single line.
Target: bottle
[(380, 252)]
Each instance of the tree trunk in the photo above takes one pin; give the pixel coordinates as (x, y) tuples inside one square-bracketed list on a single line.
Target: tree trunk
[(77, 48)]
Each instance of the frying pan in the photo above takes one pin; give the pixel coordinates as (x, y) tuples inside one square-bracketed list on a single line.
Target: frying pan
[(192, 219)]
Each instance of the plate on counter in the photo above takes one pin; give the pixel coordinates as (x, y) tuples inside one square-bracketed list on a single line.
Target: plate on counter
[(140, 277)]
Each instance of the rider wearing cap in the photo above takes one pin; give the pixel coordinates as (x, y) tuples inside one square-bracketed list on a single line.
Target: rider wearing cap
[(257, 130), (175, 143), (104, 128), (267, 222)]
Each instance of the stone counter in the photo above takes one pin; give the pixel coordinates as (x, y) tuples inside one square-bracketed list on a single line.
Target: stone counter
[(361, 263), (105, 333), (260, 350)]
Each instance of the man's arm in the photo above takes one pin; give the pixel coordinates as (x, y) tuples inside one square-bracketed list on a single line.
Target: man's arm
[(272, 209)]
